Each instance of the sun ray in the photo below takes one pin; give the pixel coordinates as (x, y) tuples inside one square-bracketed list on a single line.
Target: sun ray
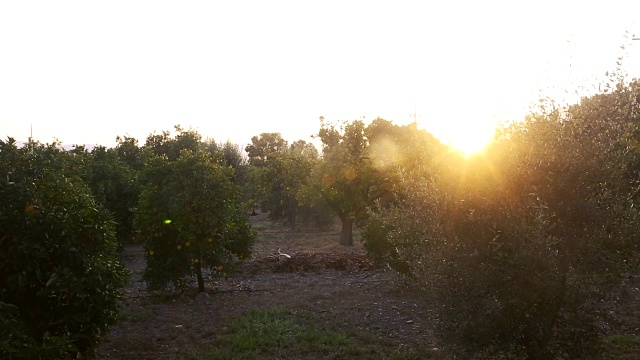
[(469, 137)]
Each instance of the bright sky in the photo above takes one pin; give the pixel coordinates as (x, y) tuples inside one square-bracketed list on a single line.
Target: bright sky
[(87, 71)]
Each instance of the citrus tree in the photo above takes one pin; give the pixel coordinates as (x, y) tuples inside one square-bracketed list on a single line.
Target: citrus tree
[(355, 169), (114, 185), (278, 178), (190, 217), (345, 178), (519, 245), (129, 152), (59, 277), (264, 146)]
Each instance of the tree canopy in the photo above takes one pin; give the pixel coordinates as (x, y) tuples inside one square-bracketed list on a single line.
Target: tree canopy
[(60, 280), (357, 167), (190, 216), (534, 232)]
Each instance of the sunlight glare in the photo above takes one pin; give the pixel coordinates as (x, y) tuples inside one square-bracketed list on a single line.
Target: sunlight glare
[(468, 133), (470, 142)]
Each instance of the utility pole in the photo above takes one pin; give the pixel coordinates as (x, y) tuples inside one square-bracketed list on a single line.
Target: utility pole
[(415, 114)]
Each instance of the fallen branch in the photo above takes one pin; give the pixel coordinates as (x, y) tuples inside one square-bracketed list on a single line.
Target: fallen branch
[(278, 255)]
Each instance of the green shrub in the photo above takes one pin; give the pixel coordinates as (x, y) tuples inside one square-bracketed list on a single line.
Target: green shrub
[(59, 278)]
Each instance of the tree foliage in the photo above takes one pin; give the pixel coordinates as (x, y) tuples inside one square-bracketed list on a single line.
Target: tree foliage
[(59, 278), (281, 178), (400, 153), (165, 144), (190, 216), (263, 146), (114, 185), (345, 177), (357, 168), (129, 152), (230, 154), (519, 245), (278, 173)]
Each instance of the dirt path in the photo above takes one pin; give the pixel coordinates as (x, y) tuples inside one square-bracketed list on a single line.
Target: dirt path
[(337, 284)]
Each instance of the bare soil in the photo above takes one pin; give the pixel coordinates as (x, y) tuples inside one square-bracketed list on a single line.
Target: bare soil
[(338, 284)]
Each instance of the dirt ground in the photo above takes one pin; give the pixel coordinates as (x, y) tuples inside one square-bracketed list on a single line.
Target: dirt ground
[(338, 284)]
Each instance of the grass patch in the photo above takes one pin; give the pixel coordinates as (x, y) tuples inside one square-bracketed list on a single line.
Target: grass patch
[(258, 226), (277, 333), (134, 316), (624, 340), (625, 344)]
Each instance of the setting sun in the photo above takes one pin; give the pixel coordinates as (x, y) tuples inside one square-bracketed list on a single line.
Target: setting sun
[(467, 133), (467, 139)]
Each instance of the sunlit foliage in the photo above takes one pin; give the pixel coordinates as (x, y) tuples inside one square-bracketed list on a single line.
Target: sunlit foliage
[(345, 178), (518, 245), (358, 167)]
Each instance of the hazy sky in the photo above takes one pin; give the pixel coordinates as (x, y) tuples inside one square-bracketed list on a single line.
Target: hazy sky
[(87, 71)]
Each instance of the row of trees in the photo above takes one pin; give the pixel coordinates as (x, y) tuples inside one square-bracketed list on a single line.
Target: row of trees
[(357, 167), (185, 198), (63, 215), (517, 245)]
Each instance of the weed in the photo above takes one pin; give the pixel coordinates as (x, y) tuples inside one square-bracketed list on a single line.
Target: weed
[(280, 333), (622, 345), (135, 316)]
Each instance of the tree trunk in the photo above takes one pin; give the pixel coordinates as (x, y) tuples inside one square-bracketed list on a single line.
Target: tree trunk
[(292, 212), (200, 278), (346, 236)]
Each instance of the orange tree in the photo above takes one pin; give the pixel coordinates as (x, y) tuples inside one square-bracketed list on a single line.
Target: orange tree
[(345, 178), (297, 164), (278, 172), (231, 154), (356, 168), (265, 177), (59, 277), (264, 146), (519, 245), (129, 152), (190, 217), (114, 185), (171, 146)]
